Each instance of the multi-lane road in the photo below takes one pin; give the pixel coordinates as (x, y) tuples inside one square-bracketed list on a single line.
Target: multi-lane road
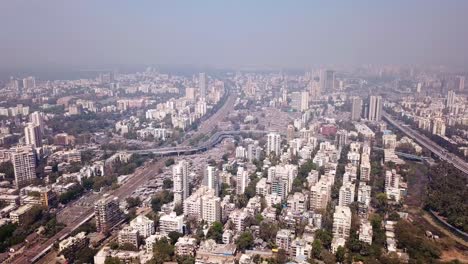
[(429, 144), (78, 214)]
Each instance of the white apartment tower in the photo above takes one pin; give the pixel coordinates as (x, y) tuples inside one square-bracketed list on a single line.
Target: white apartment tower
[(375, 108), (346, 194), (180, 179), (274, 143), (24, 165), (211, 179), (33, 135), (242, 180), (202, 85), (341, 222)]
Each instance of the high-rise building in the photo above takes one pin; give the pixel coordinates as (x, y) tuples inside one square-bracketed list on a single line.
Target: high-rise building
[(451, 99), (211, 208), (296, 101), (190, 93), (419, 87), (274, 143), (29, 82), (242, 180), (202, 85), (290, 132), (460, 83), (38, 120), (375, 108), (24, 165), (346, 194), (107, 213), (304, 101), (364, 194), (211, 179), (356, 110), (180, 179), (327, 81), (438, 127), (341, 138), (341, 222), (33, 135)]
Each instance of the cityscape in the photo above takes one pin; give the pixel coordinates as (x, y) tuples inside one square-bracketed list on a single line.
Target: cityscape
[(167, 162)]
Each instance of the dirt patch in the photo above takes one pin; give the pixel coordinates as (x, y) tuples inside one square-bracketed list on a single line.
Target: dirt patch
[(454, 254)]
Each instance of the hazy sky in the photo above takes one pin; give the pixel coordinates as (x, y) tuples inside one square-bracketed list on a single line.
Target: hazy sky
[(42, 33)]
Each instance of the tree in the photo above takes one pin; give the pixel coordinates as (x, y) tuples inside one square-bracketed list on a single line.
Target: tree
[(174, 236), (168, 183), (268, 231), (382, 203), (169, 162), (245, 241), (215, 232), (112, 260), (316, 248), (324, 236), (282, 256), (340, 254), (162, 251), (133, 201)]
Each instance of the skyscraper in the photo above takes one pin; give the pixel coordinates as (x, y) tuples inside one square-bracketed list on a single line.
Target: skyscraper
[(211, 179), (304, 101), (375, 108), (356, 110), (242, 180), (460, 83), (33, 135), (274, 143), (451, 98), (29, 82), (327, 81), (38, 120), (202, 85), (180, 178), (24, 165)]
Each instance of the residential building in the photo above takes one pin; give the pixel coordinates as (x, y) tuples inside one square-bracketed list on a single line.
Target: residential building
[(107, 213), (24, 165), (171, 222)]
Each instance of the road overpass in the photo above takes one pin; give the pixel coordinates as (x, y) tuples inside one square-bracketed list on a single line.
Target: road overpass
[(190, 150), (428, 144)]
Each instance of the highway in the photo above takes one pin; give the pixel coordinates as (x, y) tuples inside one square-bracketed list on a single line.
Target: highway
[(80, 214), (429, 144)]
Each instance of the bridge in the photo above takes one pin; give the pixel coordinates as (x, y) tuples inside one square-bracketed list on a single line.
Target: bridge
[(406, 155), (189, 150), (428, 144)]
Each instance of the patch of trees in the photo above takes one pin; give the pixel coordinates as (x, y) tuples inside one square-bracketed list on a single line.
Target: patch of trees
[(420, 248), (70, 195), (447, 193), (160, 198)]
